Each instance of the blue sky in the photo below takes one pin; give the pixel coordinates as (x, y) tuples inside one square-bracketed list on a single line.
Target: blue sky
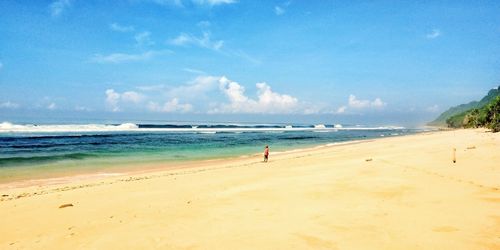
[(312, 61)]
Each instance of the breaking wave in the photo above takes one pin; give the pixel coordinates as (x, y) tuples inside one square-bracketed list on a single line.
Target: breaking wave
[(7, 127)]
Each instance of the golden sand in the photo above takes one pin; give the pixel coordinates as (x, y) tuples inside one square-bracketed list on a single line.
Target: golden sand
[(391, 193)]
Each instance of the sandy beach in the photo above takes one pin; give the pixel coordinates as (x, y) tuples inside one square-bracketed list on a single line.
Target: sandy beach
[(389, 193)]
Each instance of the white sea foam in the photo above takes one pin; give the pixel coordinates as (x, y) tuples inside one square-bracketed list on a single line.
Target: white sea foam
[(320, 126), (7, 127)]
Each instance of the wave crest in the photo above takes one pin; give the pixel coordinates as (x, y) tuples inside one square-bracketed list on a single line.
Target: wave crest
[(7, 127), (32, 128)]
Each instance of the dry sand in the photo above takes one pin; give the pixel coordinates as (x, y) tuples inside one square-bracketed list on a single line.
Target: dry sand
[(409, 196)]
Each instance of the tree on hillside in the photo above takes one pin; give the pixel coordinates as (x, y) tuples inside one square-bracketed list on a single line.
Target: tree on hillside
[(475, 118), (487, 116), (471, 120), (493, 115)]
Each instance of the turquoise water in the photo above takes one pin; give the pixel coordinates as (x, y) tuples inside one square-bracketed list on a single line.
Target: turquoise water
[(28, 150)]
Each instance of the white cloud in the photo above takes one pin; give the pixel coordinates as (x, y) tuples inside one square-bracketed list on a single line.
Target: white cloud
[(207, 90), (341, 110), (203, 41), (122, 57), (360, 104), (163, 98), (143, 39), (121, 28), (267, 101), (195, 89), (216, 95), (113, 98), (279, 11), (131, 96), (182, 39), (234, 91), (354, 103), (377, 103), (435, 33), (194, 71), (9, 105), (57, 7), (52, 106), (172, 106), (273, 100), (210, 94), (433, 109)]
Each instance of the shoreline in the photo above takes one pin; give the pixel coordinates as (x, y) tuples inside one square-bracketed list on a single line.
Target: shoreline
[(401, 192), (121, 169), (162, 168)]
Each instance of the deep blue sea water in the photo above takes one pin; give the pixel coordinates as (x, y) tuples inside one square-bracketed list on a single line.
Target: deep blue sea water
[(44, 148)]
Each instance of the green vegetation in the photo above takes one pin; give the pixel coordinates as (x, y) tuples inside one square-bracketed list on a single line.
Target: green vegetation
[(487, 116), (485, 113), (464, 108)]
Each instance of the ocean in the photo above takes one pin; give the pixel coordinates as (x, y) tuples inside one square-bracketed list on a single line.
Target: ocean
[(30, 151)]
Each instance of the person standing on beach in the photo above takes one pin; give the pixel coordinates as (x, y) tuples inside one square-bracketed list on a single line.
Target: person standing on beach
[(266, 153)]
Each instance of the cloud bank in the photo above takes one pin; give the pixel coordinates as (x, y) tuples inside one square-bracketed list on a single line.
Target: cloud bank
[(172, 106), (267, 102), (353, 103), (114, 99), (357, 103), (207, 94)]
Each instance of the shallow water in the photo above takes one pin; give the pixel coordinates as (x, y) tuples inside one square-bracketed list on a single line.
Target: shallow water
[(27, 150)]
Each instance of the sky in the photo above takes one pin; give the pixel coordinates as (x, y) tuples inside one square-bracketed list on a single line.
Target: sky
[(363, 62)]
